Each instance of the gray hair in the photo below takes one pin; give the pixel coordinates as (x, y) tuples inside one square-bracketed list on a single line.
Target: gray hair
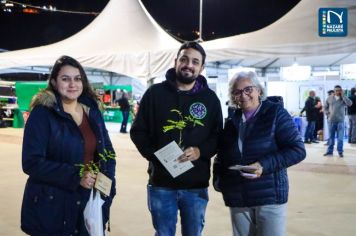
[(252, 77)]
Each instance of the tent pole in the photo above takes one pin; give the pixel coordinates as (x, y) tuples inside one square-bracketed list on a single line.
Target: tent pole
[(200, 39), (111, 84)]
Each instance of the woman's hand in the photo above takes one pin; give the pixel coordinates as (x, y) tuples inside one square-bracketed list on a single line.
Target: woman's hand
[(253, 174), (88, 180)]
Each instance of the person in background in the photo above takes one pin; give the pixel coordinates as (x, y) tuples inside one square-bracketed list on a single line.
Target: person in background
[(107, 98), (181, 109), (319, 125), (230, 109), (352, 116), (65, 128), (261, 137), (330, 93), (335, 111), (125, 111), (135, 110), (311, 110)]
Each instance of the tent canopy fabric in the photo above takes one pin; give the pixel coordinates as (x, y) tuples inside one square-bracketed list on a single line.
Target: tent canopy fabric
[(293, 38), (125, 39)]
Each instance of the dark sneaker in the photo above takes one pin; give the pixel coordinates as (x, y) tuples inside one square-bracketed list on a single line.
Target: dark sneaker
[(314, 141), (307, 142), (341, 155), (327, 154)]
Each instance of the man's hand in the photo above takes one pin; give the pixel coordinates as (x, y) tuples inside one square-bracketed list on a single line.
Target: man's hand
[(190, 154)]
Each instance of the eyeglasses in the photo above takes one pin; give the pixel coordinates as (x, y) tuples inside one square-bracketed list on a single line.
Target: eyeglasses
[(247, 91)]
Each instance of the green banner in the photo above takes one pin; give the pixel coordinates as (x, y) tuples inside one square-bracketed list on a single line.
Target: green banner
[(112, 114), (25, 91), (128, 88)]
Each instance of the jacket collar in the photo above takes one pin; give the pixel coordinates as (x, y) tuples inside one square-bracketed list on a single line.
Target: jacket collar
[(51, 99), (263, 109)]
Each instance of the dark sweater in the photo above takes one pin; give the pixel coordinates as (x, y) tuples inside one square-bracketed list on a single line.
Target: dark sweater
[(124, 104), (352, 109), (310, 109), (155, 111)]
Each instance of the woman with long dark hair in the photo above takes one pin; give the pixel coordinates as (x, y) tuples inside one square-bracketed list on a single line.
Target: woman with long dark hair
[(65, 130)]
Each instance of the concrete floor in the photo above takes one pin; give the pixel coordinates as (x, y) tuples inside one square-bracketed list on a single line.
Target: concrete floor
[(322, 198)]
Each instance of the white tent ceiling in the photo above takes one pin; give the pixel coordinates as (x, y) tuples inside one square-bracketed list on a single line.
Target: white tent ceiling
[(293, 38), (122, 39), (126, 40)]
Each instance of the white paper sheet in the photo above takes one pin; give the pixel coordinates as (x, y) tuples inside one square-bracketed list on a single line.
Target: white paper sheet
[(168, 156)]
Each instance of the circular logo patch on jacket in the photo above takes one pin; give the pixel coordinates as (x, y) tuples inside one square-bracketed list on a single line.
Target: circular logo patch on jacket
[(198, 110)]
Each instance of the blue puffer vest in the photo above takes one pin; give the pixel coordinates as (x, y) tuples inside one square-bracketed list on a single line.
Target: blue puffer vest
[(272, 139)]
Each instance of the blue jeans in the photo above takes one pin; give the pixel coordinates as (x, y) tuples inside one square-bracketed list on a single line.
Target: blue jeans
[(164, 204), (125, 119), (309, 131), (352, 131), (268, 220), (336, 128)]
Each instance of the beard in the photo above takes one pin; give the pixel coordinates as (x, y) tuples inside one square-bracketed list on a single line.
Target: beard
[(182, 78)]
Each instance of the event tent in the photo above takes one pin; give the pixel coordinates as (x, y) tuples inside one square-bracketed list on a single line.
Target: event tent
[(125, 39), (293, 38)]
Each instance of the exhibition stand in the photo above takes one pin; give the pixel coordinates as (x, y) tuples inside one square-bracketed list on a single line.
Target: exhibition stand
[(24, 91)]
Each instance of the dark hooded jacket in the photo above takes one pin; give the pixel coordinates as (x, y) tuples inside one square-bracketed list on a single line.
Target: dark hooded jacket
[(161, 104), (352, 109), (53, 145), (310, 109), (272, 139)]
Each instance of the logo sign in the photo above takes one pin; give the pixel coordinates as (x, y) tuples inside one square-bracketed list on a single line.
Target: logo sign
[(333, 22), (198, 110)]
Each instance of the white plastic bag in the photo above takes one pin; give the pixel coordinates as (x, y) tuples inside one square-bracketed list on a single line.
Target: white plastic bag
[(93, 217)]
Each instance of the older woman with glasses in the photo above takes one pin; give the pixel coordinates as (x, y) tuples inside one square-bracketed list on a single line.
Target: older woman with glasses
[(257, 145)]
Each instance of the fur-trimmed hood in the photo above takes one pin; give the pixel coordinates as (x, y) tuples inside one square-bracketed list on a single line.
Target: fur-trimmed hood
[(45, 98), (50, 99)]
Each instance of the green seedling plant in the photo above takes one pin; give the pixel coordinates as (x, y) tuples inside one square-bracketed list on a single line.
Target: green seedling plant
[(94, 167), (181, 124)]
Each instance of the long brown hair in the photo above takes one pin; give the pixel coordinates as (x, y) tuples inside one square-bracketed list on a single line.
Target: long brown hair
[(69, 61)]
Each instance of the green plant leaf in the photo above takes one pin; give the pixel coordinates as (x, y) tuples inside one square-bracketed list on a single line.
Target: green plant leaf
[(198, 122), (168, 128), (177, 111), (94, 167)]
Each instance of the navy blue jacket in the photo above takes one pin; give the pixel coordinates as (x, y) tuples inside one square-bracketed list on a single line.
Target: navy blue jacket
[(272, 139), (156, 111), (53, 200)]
